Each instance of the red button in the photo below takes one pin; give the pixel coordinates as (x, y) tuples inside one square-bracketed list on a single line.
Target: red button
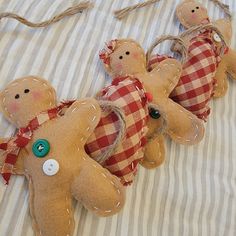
[(149, 97)]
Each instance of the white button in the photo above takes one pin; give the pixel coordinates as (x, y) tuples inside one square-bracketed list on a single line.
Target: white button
[(217, 38), (50, 167)]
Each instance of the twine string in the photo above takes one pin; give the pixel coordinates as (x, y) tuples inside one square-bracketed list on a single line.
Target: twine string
[(224, 7), (68, 12), (119, 14), (164, 38), (112, 107), (197, 28)]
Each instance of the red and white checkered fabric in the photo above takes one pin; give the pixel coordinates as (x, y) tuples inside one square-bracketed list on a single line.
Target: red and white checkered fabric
[(196, 85), (128, 94)]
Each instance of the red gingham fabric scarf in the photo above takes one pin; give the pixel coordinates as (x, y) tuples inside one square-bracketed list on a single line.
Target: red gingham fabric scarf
[(22, 138)]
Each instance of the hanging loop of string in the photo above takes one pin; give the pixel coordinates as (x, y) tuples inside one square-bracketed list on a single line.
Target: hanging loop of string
[(195, 29), (165, 38), (224, 7), (112, 107), (119, 14), (68, 12)]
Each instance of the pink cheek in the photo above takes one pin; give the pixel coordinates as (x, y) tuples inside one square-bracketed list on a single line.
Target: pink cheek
[(119, 66), (135, 55), (194, 16), (14, 107), (36, 95)]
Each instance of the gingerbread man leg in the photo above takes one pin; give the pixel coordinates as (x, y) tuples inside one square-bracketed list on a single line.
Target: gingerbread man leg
[(154, 154), (54, 214), (104, 197), (227, 65)]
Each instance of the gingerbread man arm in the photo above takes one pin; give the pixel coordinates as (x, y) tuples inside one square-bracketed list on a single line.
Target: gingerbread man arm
[(225, 27), (166, 76), (227, 65), (98, 190), (230, 59), (82, 118), (221, 85), (183, 126)]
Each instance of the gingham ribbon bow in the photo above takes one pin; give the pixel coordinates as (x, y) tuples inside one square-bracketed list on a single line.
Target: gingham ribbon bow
[(104, 54), (22, 138)]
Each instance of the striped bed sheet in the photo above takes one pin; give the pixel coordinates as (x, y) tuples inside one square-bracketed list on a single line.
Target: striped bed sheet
[(193, 193)]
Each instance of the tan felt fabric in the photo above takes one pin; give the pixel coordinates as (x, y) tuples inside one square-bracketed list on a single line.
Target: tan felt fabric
[(191, 13), (128, 58), (78, 176), (192, 192), (225, 27), (226, 67), (155, 153)]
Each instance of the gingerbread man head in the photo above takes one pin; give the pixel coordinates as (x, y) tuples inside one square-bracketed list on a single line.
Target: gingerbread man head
[(24, 98), (191, 13), (49, 151), (123, 57)]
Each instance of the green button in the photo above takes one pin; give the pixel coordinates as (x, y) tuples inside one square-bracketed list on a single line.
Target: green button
[(41, 148), (155, 114)]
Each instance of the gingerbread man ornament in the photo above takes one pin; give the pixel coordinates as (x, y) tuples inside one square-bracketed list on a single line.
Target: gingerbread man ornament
[(125, 57), (191, 13), (49, 152)]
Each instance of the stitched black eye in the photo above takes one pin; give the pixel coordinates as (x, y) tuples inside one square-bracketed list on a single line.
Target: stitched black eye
[(197, 7), (155, 114), (26, 91), (17, 96), (193, 11), (127, 53), (120, 57)]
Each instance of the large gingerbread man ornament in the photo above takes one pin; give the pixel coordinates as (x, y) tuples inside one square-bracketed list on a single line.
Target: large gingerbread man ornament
[(49, 152), (191, 13), (125, 57)]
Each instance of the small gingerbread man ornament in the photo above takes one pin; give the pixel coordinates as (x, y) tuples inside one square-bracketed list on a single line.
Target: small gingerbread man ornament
[(192, 13), (196, 85), (125, 58), (209, 59), (49, 151)]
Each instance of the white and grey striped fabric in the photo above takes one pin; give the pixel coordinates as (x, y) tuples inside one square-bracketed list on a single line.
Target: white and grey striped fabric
[(193, 193)]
